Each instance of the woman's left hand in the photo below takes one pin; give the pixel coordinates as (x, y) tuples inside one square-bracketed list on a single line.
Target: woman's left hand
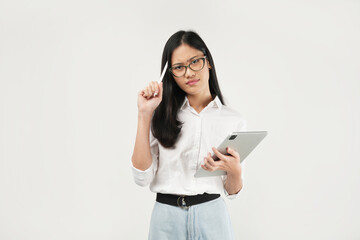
[(229, 163)]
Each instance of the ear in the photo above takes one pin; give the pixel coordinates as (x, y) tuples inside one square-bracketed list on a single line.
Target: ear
[(208, 63)]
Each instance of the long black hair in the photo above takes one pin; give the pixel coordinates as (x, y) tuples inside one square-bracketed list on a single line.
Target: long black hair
[(165, 125)]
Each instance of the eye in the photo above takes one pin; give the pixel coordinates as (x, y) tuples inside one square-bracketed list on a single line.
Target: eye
[(178, 67), (195, 61)]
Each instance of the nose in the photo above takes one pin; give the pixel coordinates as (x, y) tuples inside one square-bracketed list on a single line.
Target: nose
[(189, 72)]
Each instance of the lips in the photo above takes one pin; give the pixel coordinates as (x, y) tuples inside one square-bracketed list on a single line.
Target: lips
[(190, 82)]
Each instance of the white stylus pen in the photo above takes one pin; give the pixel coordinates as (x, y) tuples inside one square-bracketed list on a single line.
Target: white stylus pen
[(162, 75)]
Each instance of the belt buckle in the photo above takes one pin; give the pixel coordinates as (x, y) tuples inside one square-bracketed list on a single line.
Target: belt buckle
[(183, 203)]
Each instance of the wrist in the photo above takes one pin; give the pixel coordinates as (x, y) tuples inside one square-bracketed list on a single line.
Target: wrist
[(235, 171), (145, 115)]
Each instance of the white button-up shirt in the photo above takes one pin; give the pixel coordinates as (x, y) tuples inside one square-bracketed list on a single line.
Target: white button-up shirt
[(173, 169)]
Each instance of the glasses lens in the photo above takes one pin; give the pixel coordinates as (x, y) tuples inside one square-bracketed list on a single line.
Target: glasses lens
[(178, 71), (197, 64)]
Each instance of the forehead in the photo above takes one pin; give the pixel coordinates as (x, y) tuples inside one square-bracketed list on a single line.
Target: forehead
[(183, 53)]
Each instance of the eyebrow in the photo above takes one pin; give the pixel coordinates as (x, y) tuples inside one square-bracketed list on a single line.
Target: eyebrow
[(187, 60)]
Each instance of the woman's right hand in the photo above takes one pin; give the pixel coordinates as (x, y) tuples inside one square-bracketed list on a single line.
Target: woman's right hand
[(147, 102)]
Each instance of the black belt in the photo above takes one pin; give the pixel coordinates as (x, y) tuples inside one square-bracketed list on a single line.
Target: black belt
[(185, 201)]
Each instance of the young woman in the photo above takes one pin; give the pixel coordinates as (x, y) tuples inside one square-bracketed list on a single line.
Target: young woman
[(180, 122)]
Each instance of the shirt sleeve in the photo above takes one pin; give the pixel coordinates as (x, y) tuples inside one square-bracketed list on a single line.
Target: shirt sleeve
[(241, 127), (144, 177)]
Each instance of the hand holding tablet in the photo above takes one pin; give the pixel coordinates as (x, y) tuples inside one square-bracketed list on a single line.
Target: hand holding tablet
[(241, 142)]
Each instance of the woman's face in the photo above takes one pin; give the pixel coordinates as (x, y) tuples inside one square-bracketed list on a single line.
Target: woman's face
[(184, 55)]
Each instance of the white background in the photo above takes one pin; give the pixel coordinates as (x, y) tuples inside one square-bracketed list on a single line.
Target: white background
[(69, 76)]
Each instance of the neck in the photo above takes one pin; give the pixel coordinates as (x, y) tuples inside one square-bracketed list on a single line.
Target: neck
[(199, 101)]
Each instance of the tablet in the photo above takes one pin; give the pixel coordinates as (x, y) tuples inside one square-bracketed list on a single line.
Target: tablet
[(242, 142)]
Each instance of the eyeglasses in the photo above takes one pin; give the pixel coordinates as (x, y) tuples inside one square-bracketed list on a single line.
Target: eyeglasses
[(195, 65)]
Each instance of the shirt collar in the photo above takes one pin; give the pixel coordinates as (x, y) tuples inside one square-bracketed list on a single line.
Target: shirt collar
[(214, 103), (185, 103), (217, 102)]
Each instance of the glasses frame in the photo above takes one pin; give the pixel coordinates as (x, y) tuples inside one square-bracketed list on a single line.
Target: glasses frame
[(188, 66)]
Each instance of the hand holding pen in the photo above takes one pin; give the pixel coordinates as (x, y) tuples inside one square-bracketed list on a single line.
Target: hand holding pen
[(150, 97)]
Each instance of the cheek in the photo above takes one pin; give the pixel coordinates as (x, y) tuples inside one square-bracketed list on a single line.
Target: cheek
[(205, 76)]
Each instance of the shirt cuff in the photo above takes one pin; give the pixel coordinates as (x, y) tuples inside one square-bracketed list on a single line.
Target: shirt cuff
[(232, 196), (142, 177)]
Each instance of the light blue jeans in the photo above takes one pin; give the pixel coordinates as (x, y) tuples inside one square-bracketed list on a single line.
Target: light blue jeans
[(209, 220)]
